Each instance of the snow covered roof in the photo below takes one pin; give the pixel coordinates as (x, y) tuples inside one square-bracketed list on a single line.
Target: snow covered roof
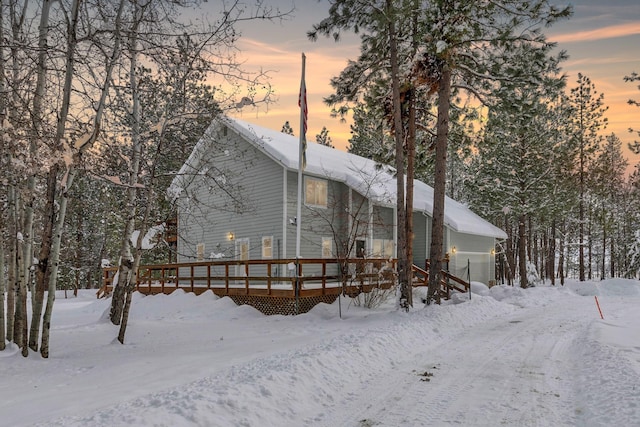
[(365, 176)]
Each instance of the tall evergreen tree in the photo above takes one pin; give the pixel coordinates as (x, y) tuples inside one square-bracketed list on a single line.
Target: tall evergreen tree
[(514, 163), (286, 128), (464, 46), (609, 170), (588, 120), (323, 138), (382, 53), (634, 77)]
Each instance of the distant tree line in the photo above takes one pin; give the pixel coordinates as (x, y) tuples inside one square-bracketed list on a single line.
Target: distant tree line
[(470, 98)]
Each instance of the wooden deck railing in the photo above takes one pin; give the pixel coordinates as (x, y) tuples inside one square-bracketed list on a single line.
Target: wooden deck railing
[(278, 278), (261, 277), (448, 281)]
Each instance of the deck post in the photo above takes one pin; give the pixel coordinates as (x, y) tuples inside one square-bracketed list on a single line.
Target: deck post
[(298, 285), (246, 276), (226, 278), (324, 277)]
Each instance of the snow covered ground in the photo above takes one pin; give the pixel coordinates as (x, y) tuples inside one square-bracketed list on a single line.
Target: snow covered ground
[(507, 357)]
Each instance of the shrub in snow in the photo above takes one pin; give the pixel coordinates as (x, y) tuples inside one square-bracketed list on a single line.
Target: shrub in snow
[(533, 278)]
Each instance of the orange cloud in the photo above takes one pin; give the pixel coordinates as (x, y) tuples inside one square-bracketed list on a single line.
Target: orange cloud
[(610, 32)]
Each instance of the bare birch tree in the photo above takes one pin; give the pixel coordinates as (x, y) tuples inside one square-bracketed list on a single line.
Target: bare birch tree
[(203, 53)]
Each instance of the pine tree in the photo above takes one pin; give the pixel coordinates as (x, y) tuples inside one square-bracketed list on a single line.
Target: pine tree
[(608, 171), (323, 138), (588, 120), (634, 77), (463, 46), (515, 161), (286, 128)]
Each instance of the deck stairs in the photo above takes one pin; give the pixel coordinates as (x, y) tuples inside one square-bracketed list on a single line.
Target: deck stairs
[(448, 282)]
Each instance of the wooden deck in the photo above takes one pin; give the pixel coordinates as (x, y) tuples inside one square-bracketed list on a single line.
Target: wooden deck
[(284, 286)]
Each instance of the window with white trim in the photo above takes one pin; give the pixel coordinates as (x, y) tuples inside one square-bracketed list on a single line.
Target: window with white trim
[(382, 248), (267, 247), (315, 192), (242, 249), (327, 247), (200, 251)]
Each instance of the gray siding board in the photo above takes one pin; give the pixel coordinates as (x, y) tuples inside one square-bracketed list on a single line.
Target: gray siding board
[(243, 172), (211, 221), (473, 256), (419, 239)]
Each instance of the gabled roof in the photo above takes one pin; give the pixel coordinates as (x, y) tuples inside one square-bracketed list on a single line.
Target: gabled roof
[(365, 176)]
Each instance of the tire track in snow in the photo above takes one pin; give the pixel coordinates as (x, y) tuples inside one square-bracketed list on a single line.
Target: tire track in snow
[(513, 375)]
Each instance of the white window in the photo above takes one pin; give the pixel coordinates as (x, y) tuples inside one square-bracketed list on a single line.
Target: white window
[(200, 251), (315, 192), (382, 248), (242, 249), (267, 247), (327, 247), (242, 254)]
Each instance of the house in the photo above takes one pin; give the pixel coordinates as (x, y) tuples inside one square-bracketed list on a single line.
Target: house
[(237, 199)]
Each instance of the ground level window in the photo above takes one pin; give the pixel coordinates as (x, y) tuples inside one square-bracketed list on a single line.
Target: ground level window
[(267, 247), (327, 247)]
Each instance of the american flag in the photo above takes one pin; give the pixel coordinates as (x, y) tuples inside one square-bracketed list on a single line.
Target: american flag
[(302, 103)]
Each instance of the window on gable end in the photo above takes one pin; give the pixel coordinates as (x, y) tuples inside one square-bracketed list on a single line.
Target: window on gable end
[(315, 192)]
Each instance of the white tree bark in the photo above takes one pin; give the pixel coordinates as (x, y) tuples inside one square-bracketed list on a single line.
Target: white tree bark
[(82, 147), (126, 269), (38, 292)]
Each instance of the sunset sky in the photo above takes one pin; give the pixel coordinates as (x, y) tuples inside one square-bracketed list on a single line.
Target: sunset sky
[(602, 39)]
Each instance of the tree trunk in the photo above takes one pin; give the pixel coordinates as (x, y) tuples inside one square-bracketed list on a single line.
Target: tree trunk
[(411, 156), (531, 242), (20, 322), (42, 270), (603, 266), (439, 186), (510, 253), (552, 254), (590, 247), (11, 269), (71, 174), (3, 125), (522, 251), (401, 214), (127, 270), (3, 286), (561, 254), (612, 253), (581, 200)]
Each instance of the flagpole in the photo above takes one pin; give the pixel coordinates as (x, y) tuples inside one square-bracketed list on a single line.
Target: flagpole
[(302, 102)]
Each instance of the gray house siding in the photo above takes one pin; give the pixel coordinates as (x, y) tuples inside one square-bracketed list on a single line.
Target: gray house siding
[(317, 222), (246, 189), (472, 257), (213, 222), (420, 238)]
